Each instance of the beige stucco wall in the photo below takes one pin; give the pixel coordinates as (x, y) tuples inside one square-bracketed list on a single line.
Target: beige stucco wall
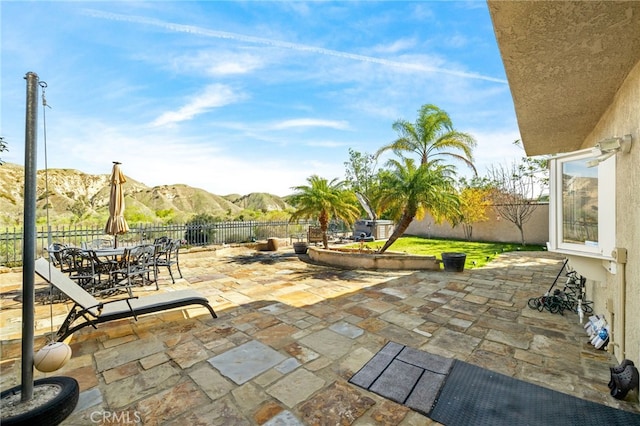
[(621, 118), (536, 230)]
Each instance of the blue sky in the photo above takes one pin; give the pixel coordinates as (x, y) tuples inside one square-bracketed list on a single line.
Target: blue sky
[(252, 96)]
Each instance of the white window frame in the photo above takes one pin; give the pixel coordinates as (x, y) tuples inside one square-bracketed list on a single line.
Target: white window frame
[(606, 171)]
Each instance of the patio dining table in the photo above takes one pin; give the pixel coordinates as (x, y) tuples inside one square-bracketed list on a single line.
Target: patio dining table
[(111, 253)]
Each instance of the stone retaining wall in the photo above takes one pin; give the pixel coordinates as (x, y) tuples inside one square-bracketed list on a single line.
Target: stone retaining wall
[(355, 259)]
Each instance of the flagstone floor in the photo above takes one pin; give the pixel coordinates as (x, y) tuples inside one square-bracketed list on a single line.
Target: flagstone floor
[(290, 334)]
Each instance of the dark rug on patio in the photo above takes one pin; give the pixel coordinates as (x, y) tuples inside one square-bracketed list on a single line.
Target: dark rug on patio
[(456, 393)]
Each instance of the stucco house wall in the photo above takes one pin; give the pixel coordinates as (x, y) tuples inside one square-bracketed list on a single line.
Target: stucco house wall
[(619, 296), (574, 74), (495, 228)]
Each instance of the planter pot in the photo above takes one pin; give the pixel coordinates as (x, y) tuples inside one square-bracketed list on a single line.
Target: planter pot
[(300, 247), (454, 262), (272, 244)]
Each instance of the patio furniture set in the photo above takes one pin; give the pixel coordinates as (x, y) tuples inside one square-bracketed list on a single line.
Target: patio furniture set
[(104, 270), (84, 274), (89, 311)]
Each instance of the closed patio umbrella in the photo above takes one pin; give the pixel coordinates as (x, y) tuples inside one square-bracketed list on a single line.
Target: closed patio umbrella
[(116, 224)]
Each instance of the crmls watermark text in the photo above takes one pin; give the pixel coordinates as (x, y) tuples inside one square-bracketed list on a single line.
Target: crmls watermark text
[(116, 417)]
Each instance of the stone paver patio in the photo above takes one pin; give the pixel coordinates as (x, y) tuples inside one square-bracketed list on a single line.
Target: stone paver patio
[(290, 334)]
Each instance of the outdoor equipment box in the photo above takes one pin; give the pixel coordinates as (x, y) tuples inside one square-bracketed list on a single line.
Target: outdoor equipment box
[(378, 229)]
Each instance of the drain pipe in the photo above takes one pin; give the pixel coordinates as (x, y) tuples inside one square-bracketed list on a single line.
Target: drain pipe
[(619, 255), (623, 309)]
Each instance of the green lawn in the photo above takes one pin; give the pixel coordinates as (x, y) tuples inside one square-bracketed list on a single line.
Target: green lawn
[(480, 253)]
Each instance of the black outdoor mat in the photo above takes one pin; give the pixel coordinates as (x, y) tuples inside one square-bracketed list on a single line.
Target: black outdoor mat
[(456, 393), (473, 395), (405, 375)]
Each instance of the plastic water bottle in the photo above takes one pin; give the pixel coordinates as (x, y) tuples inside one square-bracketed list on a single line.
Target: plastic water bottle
[(580, 311)]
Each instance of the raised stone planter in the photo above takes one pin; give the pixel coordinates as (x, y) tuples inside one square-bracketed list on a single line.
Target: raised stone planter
[(272, 244), (356, 259)]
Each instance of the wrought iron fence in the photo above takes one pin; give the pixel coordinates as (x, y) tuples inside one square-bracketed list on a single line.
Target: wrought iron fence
[(192, 234)]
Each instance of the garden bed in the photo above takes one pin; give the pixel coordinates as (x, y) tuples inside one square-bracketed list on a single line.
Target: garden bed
[(363, 259)]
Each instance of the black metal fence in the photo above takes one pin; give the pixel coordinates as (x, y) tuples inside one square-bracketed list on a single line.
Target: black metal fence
[(191, 234)]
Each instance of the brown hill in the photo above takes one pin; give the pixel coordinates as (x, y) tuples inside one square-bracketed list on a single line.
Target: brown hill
[(260, 201), (75, 196)]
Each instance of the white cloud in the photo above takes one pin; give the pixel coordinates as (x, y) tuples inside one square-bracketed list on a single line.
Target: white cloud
[(327, 144), (495, 148), (456, 40), (396, 46), (217, 63), (310, 122), (213, 96)]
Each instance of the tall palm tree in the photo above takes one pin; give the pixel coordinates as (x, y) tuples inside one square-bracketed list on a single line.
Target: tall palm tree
[(432, 137), (323, 200), (408, 192)]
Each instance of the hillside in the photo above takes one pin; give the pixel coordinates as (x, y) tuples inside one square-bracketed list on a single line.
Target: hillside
[(75, 196)]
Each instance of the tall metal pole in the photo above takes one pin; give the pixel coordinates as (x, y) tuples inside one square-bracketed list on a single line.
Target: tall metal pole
[(29, 236)]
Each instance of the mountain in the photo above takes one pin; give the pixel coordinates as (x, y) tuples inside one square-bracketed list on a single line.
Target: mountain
[(260, 201), (74, 195)]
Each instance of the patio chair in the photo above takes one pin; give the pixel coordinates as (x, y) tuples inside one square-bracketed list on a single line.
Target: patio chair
[(95, 312), (136, 266), (164, 240), (104, 267), (80, 267), (170, 257), (54, 251)]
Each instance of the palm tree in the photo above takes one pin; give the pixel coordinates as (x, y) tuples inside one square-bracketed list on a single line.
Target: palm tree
[(323, 200), (3, 147), (432, 137), (408, 192)]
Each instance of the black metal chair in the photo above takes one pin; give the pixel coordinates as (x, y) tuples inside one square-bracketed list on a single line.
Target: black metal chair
[(137, 266), (54, 252), (170, 257), (80, 267)]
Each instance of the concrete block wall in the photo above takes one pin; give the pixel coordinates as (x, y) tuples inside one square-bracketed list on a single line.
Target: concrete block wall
[(496, 228)]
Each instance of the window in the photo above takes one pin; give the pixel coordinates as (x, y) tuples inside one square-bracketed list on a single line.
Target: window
[(579, 203), (582, 204)]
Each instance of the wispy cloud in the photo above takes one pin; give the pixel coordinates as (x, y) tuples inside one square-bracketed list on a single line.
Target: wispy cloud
[(327, 144), (191, 29), (310, 122), (213, 96), (217, 63), (396, 46)]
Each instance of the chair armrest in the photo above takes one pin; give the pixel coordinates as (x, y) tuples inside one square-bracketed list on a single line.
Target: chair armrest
[(101, 305)]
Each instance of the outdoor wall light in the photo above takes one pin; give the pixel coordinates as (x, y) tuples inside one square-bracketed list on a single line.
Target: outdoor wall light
[(614, 145), (607, 148)]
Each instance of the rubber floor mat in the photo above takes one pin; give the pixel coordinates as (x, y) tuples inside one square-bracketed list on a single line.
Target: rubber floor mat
[(476, 396)]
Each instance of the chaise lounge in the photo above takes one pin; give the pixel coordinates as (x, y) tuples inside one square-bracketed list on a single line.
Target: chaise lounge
[(96, 312)]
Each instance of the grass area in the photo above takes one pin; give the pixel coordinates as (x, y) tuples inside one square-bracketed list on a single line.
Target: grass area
[(480, 253)]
